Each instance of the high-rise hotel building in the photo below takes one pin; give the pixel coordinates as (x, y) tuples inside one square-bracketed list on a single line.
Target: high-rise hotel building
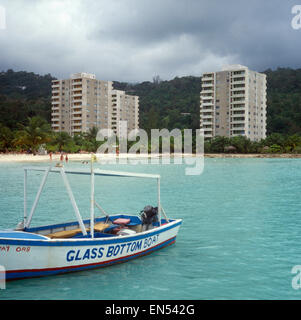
[(233, 102), (83, 102)]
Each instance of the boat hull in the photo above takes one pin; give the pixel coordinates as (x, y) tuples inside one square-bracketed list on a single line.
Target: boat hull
[(26, 258)]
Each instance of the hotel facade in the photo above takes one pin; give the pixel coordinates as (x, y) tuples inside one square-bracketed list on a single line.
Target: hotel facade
[(83, 102), (233, 102)]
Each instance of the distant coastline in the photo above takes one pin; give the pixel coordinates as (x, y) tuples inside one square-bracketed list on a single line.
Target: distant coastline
[(87, 156)]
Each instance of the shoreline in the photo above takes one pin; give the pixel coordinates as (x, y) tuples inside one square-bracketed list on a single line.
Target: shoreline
[(87, 156)]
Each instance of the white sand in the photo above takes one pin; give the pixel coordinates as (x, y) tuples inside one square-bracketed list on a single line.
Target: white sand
[(87, 156), (73, 157)]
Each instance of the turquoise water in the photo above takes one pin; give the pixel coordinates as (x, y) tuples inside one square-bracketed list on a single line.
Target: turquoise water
[(240, 238)]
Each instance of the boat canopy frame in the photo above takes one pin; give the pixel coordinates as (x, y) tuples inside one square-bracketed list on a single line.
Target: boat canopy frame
[(93, 172)]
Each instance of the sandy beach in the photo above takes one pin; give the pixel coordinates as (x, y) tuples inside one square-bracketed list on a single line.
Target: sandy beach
[(87, 157)]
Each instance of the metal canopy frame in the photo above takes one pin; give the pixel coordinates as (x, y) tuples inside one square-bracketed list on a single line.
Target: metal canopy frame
[(92, 173)]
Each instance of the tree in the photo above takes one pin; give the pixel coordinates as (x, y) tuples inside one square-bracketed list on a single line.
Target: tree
[(91, 134), (241, 143), (61, 140), (6, 138), (156, 79), (33, 135), (219, 143), (292, 142), (91, 144)]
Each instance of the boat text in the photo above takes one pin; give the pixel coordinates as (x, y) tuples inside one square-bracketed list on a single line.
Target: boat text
[(18, 249), (111, 251)]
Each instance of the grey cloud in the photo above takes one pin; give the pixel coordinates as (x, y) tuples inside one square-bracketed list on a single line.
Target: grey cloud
[(133, 40)]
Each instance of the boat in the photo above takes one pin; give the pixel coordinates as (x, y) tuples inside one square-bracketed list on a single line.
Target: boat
[(108, 239)]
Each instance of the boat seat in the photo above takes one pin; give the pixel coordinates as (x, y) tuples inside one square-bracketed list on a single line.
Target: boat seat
[(64, 234), (98, 227), (122, 221)]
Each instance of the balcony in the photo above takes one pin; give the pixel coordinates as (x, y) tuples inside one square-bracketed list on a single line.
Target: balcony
[(208, 76), (208, 134), (205, 122), (207, 101), (237, 133), (238, 81), (236, 86), (238, 113), (238, 75), (206, 117), (77, 87), (238, 123), (77, 93), (76, 109), (239, 95), (207, 84), (76, 130), (206, 109), (237, 106), (238, 126), (76, 116), (242, 101), (206, 95), (208, 128), (206, 90)]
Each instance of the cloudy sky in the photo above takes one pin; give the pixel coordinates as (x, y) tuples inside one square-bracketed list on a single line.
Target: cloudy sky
[(134, 40)]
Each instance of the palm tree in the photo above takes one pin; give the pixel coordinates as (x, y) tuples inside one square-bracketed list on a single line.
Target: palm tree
[(33, 135), (6, 138), (91, 134), (61, 139), (91, 143)]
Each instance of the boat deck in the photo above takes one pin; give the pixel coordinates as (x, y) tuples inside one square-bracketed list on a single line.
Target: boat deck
[(99, 227), (103, 227)]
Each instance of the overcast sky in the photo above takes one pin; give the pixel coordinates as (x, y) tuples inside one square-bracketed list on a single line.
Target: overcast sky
[(134, 40)]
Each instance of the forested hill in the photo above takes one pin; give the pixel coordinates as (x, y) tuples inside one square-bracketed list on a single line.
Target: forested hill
[(284, 101), (22, 95), (167, 104), (163, 104)]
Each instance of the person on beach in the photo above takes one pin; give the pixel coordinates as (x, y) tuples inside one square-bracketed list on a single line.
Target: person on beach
[(66, 158), (50, 155), (62, 156)]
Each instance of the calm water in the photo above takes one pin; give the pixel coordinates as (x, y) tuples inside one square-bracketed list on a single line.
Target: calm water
[(240, 238)]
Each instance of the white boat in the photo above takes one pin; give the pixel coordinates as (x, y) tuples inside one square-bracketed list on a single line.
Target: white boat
[(83, 244)]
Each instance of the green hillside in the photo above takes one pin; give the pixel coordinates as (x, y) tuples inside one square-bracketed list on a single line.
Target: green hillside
[(163, 104)]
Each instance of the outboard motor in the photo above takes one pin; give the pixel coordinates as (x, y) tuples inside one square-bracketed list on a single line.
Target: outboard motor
[(149, 215)]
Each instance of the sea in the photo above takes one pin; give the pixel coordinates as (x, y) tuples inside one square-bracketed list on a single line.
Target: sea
[(240, 237)]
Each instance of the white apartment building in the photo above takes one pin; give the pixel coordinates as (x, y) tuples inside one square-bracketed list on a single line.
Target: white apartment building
[(83, 102), (125, 113), (233, 102)]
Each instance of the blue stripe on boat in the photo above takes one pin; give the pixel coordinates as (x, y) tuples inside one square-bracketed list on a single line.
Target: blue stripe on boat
[(10, 275), (22, 235)]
